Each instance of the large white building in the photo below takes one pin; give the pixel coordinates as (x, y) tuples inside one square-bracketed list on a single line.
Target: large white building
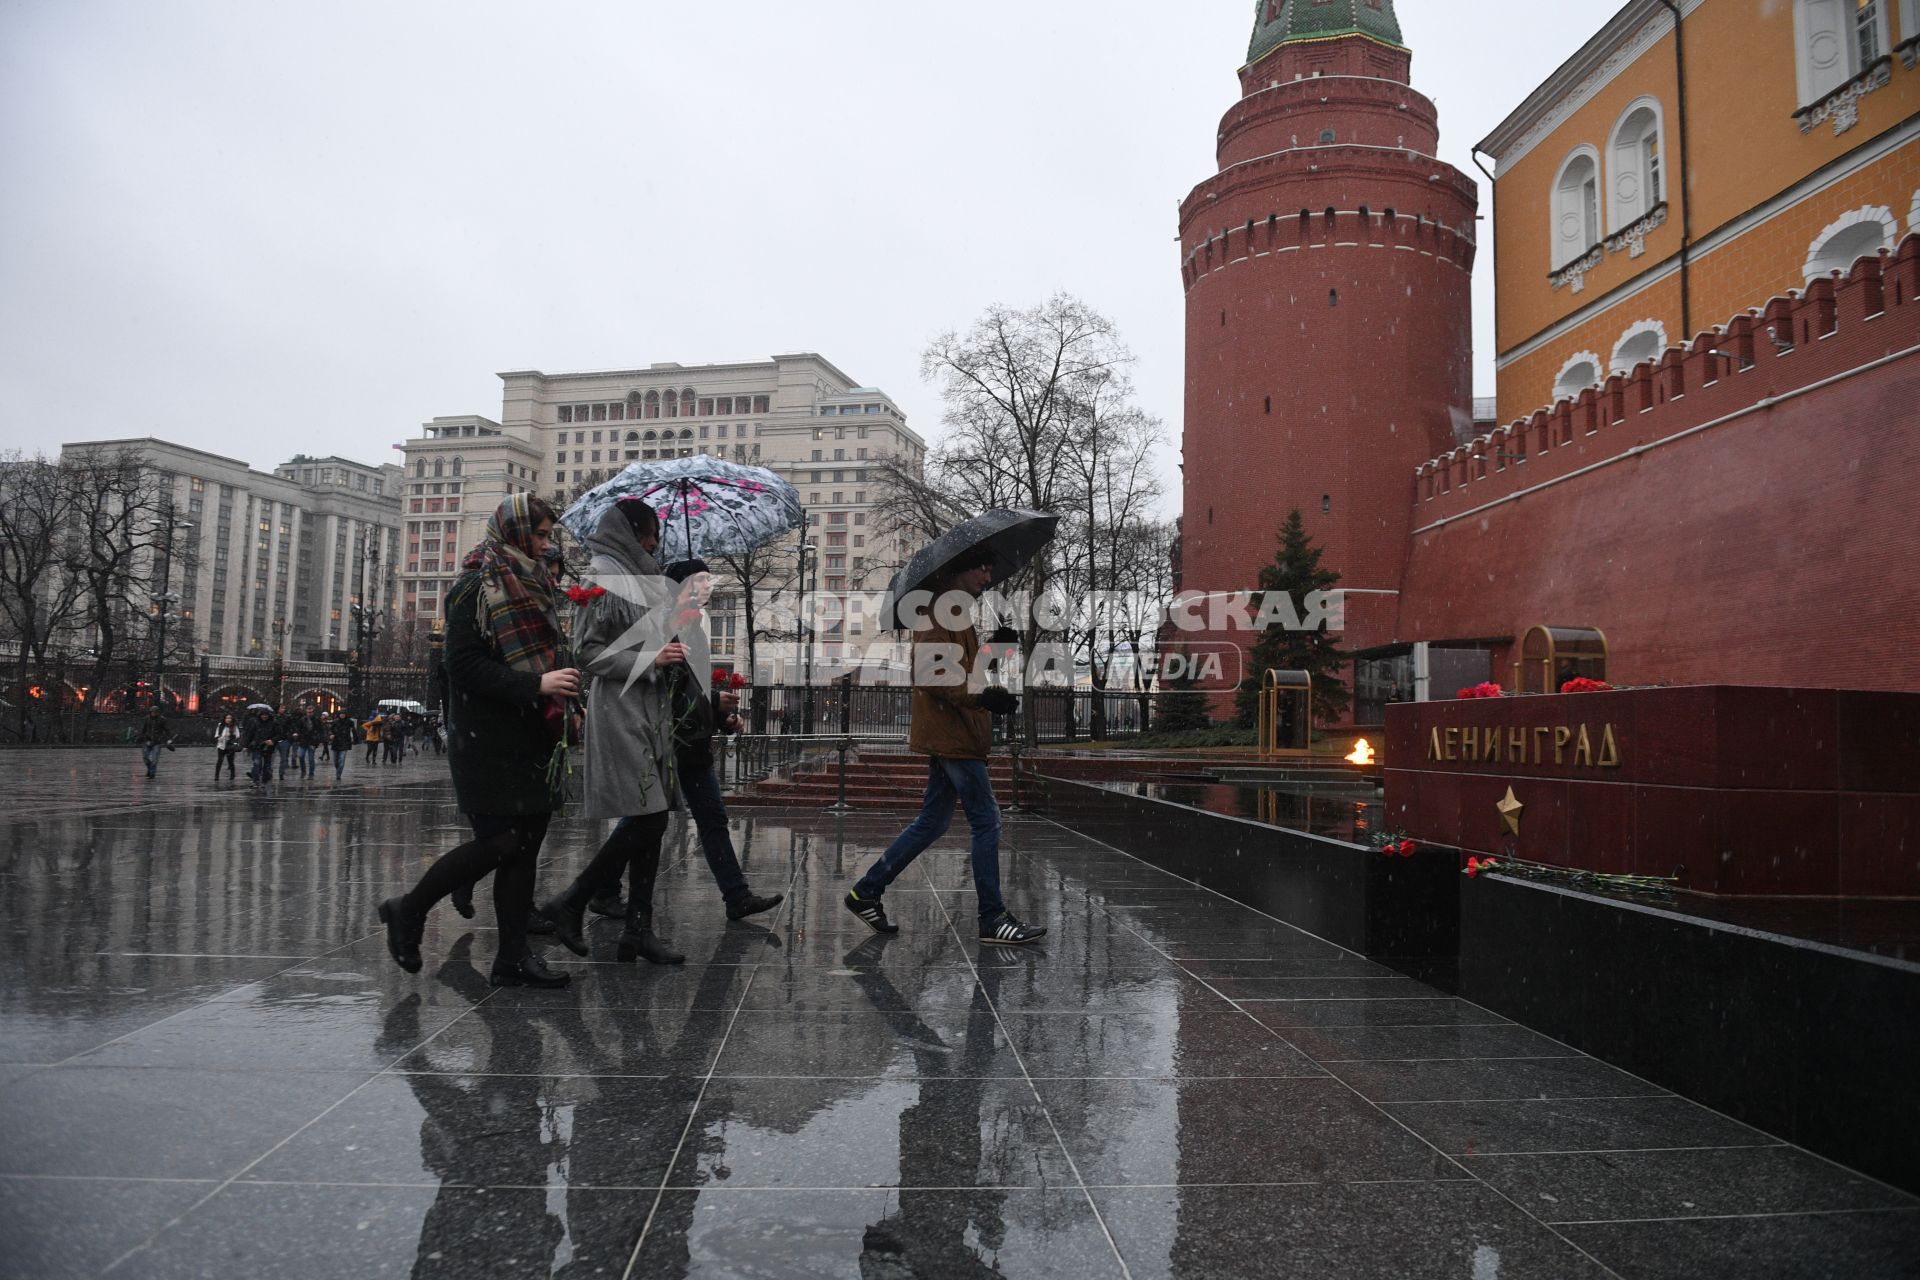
[(559, 434), (265, 564)]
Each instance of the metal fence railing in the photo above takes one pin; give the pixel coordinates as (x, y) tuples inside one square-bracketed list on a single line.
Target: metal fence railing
[(58, 700)]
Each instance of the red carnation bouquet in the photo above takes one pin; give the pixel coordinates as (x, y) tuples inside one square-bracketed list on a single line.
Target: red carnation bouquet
[(1487, 690), (585, 595), (1580, 684)]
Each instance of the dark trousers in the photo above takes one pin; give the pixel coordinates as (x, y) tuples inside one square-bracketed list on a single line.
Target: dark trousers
[(702, 791), (506, 846), (224, 756), (373, 752), (632, 849)]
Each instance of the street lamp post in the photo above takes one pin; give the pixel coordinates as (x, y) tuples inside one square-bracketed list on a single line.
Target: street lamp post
[(806, 624), (166, 600), (367, 616)]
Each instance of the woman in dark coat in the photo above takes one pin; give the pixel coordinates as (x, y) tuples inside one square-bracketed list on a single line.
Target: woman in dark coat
[(507, 711)]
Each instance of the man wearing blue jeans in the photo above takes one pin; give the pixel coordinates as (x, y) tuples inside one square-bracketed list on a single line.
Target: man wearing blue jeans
[(953, 727), (153, 739)]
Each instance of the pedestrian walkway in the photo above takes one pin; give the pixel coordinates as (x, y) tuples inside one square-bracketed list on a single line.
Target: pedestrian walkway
[(211, 1068)]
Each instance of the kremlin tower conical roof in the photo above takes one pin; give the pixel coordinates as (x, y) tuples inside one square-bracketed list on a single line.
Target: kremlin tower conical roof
[(1278, 22)]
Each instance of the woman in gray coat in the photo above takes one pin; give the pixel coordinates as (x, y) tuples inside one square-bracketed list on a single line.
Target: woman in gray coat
[(624, 643)]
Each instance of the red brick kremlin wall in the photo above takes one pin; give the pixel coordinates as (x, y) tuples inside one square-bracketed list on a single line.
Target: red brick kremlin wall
[(1742, 510)]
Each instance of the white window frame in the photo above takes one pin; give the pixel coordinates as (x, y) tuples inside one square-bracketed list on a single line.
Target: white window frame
[(1636, 330), (1817, 20), (1628, 163), (1578, 358), (1564, 250), (1879, 216)]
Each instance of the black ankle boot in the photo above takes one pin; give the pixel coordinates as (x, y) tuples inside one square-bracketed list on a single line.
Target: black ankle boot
[(528, 971), (569, 917), (752, 904), (403, 934), (639, 939)]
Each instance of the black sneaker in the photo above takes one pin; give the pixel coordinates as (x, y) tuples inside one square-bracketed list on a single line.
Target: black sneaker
[(1005, 931), (871, 913), (753, 904)]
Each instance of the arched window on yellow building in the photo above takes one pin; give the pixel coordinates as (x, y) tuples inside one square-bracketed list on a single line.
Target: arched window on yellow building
[(1834, 41), (1859, 234), (1576, 206), (1576, 375), (1634, 165)]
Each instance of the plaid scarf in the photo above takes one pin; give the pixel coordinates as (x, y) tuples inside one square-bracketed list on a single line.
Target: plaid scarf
[(516, 608)]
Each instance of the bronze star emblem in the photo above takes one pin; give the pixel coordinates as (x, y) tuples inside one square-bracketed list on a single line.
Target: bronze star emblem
[(1510, 810)]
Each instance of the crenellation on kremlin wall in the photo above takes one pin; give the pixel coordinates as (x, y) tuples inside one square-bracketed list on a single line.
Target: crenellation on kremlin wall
[(1836, 326)]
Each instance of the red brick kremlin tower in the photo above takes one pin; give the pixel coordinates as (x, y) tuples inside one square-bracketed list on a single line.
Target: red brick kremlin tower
[(1327, 270)]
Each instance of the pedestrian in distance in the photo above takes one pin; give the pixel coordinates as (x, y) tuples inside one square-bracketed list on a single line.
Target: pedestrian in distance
[(286, 736), (508, 695), (226, 745), (340, 736), (952, 726), (312, 734), (259, 736), (372, 731), (625, 639), (154, 737)]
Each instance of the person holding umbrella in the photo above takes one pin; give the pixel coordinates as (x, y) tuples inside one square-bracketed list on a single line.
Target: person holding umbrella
[(509, 689), (258, 736), (628, 645), (953, 712)]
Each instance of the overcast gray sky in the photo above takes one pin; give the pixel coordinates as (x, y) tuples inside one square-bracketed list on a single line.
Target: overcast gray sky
[(265, 229)]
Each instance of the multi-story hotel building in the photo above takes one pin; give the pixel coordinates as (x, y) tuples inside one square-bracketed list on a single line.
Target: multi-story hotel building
[(267, 564), (560, 434)]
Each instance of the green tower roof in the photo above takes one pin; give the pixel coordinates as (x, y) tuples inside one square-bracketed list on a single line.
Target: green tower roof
[(1278, 22)]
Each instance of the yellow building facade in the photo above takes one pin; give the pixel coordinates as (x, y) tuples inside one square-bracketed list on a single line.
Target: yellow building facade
[(1693, 160)]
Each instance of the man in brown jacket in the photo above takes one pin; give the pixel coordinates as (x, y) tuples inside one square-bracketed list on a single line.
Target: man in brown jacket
[(953, 727)]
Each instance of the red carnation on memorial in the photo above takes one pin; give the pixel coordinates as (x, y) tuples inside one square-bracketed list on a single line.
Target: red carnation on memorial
[(585, 595), (1406, 848), (1581, 684), (1486, 690)]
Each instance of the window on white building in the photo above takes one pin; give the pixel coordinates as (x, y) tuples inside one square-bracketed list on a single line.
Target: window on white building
[(1576, 207)]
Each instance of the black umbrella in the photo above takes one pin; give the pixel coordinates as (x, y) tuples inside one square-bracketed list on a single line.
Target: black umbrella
[(1014, 538)]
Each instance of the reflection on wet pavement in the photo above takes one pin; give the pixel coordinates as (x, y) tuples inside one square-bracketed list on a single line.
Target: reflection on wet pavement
[(209, 1067)]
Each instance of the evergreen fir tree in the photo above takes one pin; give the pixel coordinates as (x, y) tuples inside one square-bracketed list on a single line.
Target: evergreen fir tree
[(1180, 706), (1295, 572)]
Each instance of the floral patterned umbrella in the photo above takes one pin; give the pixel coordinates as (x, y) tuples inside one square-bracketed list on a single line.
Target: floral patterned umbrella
[(707, 506)]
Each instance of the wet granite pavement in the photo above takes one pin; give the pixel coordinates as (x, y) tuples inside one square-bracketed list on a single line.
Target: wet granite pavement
[(209, 1067)]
